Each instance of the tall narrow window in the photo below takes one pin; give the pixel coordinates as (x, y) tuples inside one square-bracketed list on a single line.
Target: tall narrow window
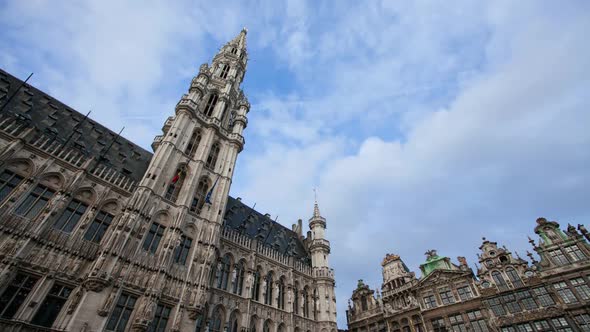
[(50, 308), (153, 237), (224, 273), (266, 327), (35, 202), (216, 321), (269, 285), (211, 104), (98, 227), (121, 313), (181, 252), (233, 322), (281, 294), (160, 320), (305, 303), (175, 184), (514, 278), (15, 294), (224, 71), (296, 299), (193, 143), (234, 50), (70, 217), (256, 286), (499, 280), (199, 197), (239, 279), (364, 305), (212, 158), (8, 181)]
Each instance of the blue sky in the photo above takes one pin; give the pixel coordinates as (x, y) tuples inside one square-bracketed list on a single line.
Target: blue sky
[(423, 124)]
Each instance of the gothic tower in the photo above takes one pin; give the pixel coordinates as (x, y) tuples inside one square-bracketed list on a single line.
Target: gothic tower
[(319, 248), (184, 190)]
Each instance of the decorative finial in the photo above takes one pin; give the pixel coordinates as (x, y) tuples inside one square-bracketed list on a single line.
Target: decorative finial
[(245, 30)]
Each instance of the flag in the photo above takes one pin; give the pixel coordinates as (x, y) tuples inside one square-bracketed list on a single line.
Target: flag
[(177, 175), (210, 193)]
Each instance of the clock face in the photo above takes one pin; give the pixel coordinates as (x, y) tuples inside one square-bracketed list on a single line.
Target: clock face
[(528, 274), (485, 284)]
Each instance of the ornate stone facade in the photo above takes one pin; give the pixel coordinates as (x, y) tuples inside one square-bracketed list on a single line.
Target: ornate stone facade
[(506, 294), (97, 234)]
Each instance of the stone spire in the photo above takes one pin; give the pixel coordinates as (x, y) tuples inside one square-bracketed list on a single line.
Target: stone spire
[(316, 211)]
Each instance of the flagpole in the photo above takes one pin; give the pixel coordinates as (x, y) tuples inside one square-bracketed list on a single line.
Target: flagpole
[(15, 92)]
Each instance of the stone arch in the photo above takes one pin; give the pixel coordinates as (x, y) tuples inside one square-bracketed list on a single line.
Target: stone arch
[(282, 328), (161, 217), (234, 324), (268, 326), (254, 323), (111, 206), (217, 319), (53, 180), (85, 194), (22, 166)]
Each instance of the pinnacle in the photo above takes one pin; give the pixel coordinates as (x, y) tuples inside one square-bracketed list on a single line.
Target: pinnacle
[(316, 211)]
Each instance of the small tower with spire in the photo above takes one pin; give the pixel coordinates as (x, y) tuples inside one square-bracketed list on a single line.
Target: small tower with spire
[(319, 248)]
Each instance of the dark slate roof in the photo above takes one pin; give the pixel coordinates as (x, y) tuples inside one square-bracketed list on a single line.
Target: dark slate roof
[(52, 117), (254, 224)]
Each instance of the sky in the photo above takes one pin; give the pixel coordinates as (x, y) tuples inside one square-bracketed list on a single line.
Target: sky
[(422, 124)]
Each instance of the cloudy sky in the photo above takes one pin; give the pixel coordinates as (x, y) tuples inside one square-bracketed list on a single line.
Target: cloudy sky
[(423, 124)]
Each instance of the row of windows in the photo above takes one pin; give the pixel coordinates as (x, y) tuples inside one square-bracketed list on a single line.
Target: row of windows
[(38, 198), (554, 324), (447, 297), (19, 289), (574, 254), (475, 323), (521, 300)]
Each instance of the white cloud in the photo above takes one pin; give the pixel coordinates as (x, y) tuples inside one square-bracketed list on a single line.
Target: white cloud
[(420, 122)]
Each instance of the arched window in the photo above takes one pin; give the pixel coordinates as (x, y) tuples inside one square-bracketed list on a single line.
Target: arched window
[(211, 104), (267, 326), (212, 158), (233, 322), (269, 285), (256, 286), (296, 299), (282, 328), (193, 143), (281, 295), (224, 273), (224, 71), (253, 323), (199, 196), (201, 319), (305, 302), (499, 280), (514, 277), (239, 278), (175, 184), (216, 322)]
